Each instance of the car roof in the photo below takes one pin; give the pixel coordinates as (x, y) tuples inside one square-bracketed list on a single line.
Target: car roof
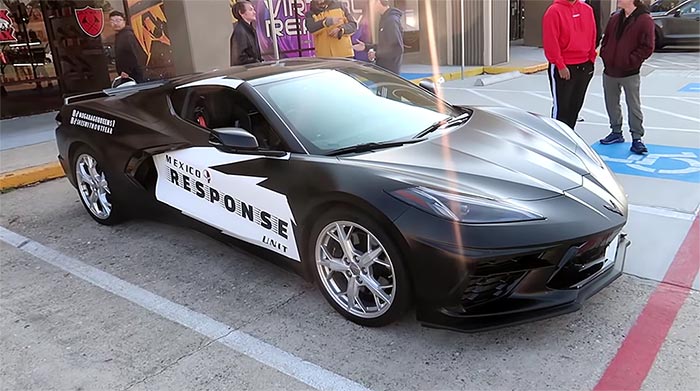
[(266, 71)]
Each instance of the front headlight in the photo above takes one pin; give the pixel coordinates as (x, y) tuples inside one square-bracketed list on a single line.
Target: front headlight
[(576, 138), (463, 208)]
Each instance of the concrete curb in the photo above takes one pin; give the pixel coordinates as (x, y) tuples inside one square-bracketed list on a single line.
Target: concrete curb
[(492, 70), (498, 78), (495, 70), (451, 75), (26, 176)]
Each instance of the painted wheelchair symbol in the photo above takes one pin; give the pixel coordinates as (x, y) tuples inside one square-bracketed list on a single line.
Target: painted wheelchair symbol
[(646, 163)]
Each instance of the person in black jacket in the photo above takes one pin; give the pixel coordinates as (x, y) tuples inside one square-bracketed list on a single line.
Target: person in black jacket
[(389, 46), (628, 41), (130, 58), (245, 48)]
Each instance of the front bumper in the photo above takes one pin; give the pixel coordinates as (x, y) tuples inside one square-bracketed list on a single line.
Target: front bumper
[(527, 295)]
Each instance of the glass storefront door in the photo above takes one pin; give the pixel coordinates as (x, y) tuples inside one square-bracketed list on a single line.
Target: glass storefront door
[(29, 80), (53, 48)]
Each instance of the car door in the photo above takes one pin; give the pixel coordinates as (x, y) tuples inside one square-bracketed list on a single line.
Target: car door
[(191, 179), (684, 25)]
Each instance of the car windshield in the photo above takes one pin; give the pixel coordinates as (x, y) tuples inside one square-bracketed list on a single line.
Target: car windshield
[(333, 109)]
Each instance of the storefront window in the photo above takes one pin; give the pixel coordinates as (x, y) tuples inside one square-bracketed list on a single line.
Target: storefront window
[(53, 48), (28, 73)]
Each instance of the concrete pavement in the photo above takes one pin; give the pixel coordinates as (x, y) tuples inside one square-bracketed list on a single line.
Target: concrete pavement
[(58, 323)]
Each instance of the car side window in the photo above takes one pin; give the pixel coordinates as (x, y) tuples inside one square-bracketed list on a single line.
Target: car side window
[(663, 5), (691, 8), (212, 107)]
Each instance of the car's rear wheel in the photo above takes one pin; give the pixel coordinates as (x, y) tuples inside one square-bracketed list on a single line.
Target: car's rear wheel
[(93, 187), (359, 269), (658, 41)]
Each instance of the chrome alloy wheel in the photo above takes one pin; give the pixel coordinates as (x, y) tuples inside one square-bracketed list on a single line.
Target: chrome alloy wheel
[(355, 269), (93, 187)]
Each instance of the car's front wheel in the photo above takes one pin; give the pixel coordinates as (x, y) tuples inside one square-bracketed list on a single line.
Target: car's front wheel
[(359, 269), (93, 187)]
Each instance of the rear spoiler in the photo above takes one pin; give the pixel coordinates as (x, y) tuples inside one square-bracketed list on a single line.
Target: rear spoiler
[(114, 91)]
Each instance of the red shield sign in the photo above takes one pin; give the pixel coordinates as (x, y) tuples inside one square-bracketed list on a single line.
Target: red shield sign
[(91, 20), (7, 29)]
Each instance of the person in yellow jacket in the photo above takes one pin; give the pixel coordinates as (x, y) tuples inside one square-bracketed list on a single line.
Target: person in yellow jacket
[(331, 24)]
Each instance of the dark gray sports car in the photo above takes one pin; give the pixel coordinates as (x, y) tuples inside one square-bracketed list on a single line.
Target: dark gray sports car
[(381, 192), (678, 26)]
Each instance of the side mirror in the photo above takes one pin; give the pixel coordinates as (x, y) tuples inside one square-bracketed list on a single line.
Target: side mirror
[(232, 140), (427, 84), (677, 14)]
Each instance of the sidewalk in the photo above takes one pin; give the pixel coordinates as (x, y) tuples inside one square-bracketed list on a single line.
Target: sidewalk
[(523, 59), (28, 148)]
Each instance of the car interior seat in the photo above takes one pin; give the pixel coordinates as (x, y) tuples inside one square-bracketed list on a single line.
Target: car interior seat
[(223, 108)]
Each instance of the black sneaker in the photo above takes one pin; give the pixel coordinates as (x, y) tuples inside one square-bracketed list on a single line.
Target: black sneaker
[(612, 138), (638, 147)]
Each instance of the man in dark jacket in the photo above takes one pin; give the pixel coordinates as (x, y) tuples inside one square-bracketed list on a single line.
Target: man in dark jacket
[(245, 48), (389, 47), (130, 58), (628, 41)]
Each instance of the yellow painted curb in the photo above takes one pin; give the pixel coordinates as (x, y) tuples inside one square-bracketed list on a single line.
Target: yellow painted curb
[(495, 70), (476, 71), (30, 175)]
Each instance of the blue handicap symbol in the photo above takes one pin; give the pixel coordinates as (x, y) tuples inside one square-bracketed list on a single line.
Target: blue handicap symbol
[(675, 163), (690, 87)]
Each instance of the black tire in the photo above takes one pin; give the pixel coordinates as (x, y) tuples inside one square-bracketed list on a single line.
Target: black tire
[(658, 41), (401, 291), (115, 214)]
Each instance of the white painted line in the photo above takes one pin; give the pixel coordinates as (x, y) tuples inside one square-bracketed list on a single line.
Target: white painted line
[(696, 102), (652, 210), (673, 63), (490, 89), (533, 93), (681, 116), (287, 363), (500, 102), (589, 111), (607, 125), (547, 93)]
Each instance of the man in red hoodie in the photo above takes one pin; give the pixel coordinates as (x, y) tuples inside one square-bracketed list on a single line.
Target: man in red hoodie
[(629, 40), (569, 40)]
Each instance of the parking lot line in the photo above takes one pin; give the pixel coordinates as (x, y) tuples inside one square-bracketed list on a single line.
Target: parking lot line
[(498, 101), (644, 107), (606, 125), (691, 101), (651, 210), (280, 360), (633, 361), (688, 99), (656, 59), (583, 109)]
